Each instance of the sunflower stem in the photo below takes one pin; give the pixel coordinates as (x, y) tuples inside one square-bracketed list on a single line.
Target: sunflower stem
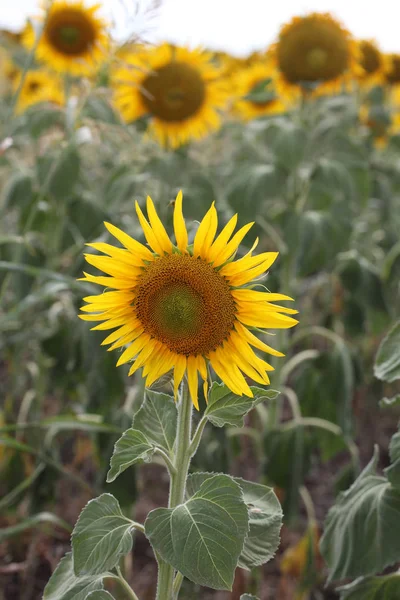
[(177, 489)]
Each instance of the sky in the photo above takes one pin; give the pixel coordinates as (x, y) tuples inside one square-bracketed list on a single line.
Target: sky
[(237, 26)]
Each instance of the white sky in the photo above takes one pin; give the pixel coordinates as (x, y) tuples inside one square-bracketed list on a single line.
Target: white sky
[(238, 26)]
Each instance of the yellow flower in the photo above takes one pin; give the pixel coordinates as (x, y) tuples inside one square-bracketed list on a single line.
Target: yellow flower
[(9, 71), (392, 68), (39, 86), (73, 40), (371, 61), (181, 306), (252, 102), (178, 89), (315, 50)]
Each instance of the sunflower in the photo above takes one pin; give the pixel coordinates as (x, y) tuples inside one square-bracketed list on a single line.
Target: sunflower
[(257, 92), (73, 39), (178, 89), (9, 72), (392, 69), (182, 306), (39, 86), (371, 61), (315, 50)]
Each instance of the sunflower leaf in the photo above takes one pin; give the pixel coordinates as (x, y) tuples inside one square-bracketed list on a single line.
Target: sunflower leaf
[(100, 595), (248, 597), (372, 588), (203, 538), (65, 585), (361, 533), (387, 361), (265, 519), (393, 472), (101, 536), (157, 419), (132, 448), (226, 408)]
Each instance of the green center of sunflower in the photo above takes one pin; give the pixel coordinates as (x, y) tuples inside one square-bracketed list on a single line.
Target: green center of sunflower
[(70, 31), (174, 92), (184, 303), (312, 50)]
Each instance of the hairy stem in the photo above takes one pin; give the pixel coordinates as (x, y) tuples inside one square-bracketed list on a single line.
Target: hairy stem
[(178, 482)]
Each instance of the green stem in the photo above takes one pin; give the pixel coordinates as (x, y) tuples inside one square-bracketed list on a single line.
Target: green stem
[(131, 594), (177, 585), (178, 482)]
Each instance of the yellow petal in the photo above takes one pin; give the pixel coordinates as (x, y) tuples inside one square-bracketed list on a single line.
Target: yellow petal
[(134, 246), (148, 232), (254, 341), (233, 245), (255, 296), (181, 234), (158, 228), (193, 380), (133, 349), (179, 371), (123, 255), (267, 321), (113, 267), (108, 282), (206, 232), (222, 239)]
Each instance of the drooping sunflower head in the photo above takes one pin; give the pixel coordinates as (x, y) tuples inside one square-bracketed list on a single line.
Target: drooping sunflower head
[(179, 90), (39, 86), (180, 306), (392, 69), (314, 49), (258, 92), (73, 40)]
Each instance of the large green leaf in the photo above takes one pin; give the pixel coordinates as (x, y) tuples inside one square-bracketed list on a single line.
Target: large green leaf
[(226, 408), (157, 419), (393, 472), (387, 362), (64, 585), (100, 595), (132, 448), (361, 530), (101, 536), (203, 538), (372, 588), (265, 519)]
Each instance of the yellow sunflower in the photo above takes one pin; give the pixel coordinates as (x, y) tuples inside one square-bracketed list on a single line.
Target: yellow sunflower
[(9, 72), (371, 61), (315, 50), (392, 69), (39, 86), (180, 90), (257, 92), (73, 40), (184, 305)]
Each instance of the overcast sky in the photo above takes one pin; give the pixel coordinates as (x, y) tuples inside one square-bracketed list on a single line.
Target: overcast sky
[(238, 26)]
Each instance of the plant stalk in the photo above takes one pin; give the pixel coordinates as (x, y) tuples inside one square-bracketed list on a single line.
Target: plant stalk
[(182, 458)]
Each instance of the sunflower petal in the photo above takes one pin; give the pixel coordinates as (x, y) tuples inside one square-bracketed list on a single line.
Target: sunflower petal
[(181, 234)]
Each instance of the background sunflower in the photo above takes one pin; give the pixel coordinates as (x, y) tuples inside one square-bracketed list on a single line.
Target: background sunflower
[(39, 86), (179, 90), (73, 40)]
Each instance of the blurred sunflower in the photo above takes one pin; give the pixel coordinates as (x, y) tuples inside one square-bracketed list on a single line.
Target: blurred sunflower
[(380, 122), (371, 61), (9, 71), (392, 69), (178, 89), (256, 92), (315, 50), (39, 86), (180, 306), (74, 37)]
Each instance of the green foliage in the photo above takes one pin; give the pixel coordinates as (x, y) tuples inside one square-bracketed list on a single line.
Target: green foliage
[(203, 538), (156, 419), (360, 536), (387, 362), (226, 408), (265, 519), (132, 448), (64, 585), (372, 588), (101, 536)]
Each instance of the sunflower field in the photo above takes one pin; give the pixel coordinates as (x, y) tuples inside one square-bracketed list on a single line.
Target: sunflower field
[(199, 315)]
